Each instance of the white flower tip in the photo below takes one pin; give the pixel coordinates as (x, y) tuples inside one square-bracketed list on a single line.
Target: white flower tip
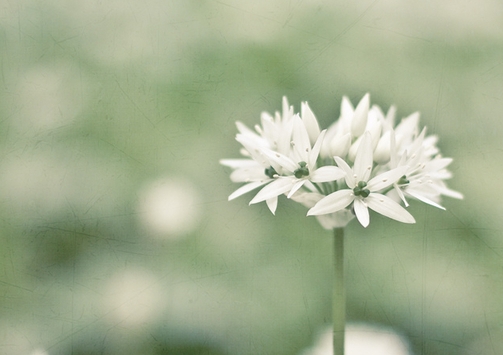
[(310, 122), (413, 221), (360, 116)]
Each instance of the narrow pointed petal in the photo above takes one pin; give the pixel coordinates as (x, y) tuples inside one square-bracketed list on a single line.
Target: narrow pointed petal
[(393, 152), (451, 193), (300, 139), (424, 199), (275, 188), (360, 116), (363, 161), (332, 203), (390, 116), (248, 175), (389, 208), (347, 109), (280, 161), (353, 149), (242, 128), (400, 194), (238, 163), (287, 109), (437, 164), (246, 188), (386, 179), (361, 212), (382, 151), (375, 133), (310, 121), (313, 155), (350, 178), (272, 203), (327, 173), (296, 187)]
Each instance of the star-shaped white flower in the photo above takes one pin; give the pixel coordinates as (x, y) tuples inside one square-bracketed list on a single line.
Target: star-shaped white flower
[(423, 179), (362, 192), (300, 168)]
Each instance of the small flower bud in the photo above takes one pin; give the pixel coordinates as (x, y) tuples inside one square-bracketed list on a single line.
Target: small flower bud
[(360, 116)]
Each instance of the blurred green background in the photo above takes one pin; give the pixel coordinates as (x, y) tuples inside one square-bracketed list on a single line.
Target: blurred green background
[(116, 236)]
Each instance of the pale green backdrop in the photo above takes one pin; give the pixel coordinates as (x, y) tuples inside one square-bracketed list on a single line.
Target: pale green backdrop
[(116, 236)]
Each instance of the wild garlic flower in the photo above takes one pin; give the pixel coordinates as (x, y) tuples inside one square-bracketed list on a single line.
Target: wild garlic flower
[(289, 155), (362, 192)]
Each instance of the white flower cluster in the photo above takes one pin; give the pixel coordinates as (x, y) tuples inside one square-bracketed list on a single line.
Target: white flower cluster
[(361, 161)]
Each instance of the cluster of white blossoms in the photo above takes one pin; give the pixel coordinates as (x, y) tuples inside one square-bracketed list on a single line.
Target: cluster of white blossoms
[(363, 160)]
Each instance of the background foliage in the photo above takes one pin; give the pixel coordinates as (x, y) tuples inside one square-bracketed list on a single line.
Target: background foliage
[(114, 114)]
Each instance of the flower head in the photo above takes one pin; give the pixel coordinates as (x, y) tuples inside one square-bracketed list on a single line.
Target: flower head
[(361, 162)]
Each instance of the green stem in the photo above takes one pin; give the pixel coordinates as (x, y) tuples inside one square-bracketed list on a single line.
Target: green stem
[(339, 293)]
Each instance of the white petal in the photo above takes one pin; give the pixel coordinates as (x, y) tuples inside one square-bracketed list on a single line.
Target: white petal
[(279, 161), (313, 155), (390, 116), (401, 195), (287, 109), (247, 188), (386, 179), (327, 173), (363, 161), (361, 212), (424, 199), (310, 121), (389, 208), (296, 187), (350, 179), (353, 149), (300, 139), (242, 128), (239, 163), (248, 175), (339, 145), (451, 193), (272, 203), (382, 151), (437, 164), (393, 151), (347, 109), (275, 188), (334, 202), (360, 116), (375, 133)]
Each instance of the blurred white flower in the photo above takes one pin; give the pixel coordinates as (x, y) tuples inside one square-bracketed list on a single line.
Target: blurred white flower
[(133, 298), (290, 155), (169, 208), (48, 97), (362, 339)]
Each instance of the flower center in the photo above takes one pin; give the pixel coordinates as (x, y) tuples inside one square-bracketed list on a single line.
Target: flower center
[(403, 181), (302, 171), (270, 172), (360, 189)]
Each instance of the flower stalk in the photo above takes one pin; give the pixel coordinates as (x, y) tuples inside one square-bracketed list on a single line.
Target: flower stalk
[(339, 293), (363, 161)]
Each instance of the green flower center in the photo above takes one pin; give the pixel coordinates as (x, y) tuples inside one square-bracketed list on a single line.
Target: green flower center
[(270, 172), (360, 189), (403, 181), (302, 171)]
